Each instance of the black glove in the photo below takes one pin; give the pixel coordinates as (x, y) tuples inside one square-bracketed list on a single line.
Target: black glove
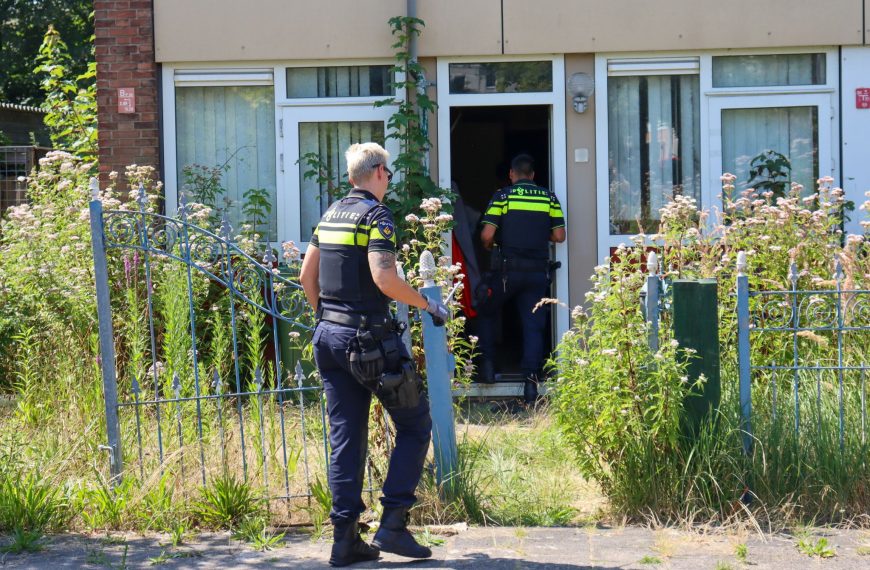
[(439, 312)]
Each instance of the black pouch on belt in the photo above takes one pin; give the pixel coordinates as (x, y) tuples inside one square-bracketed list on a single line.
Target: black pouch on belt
[(366, 360), (400, 386)]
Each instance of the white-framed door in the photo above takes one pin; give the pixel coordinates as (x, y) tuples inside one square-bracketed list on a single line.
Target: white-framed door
[(327, 131), (799, 126), (555, 100)]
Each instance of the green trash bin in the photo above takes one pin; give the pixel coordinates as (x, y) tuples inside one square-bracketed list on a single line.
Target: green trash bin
[(696, 326)]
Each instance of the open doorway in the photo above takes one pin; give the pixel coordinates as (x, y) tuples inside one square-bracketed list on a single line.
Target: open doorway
[(483, 140)]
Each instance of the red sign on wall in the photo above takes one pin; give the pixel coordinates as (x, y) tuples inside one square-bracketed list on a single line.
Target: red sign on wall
[(862, 98), (126, 100)]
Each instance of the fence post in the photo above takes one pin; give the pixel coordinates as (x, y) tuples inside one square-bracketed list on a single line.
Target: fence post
[(743, 357), (652, 300), (438, 379), (107, 347)]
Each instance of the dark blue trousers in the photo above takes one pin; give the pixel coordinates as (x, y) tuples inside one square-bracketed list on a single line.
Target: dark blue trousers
[(526, 288), (348, 403)]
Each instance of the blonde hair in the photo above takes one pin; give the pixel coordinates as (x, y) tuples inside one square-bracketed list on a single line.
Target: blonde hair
[(363, 158)]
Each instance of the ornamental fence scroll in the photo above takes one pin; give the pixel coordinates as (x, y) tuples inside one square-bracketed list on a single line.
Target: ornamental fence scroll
[(803, 358), (207, 380)]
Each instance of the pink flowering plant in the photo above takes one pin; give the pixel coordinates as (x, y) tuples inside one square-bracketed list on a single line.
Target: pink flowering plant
[(620, 403)]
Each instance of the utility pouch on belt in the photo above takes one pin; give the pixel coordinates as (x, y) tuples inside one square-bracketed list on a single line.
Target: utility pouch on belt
[(384, 368), (366, 359)]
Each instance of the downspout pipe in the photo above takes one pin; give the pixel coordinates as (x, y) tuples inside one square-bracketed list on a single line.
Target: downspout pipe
[(420, 80)]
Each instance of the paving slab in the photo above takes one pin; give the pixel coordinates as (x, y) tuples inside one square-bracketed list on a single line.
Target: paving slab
[(588, 548)]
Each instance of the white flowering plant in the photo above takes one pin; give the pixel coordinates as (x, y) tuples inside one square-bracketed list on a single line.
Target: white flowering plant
[(620, 403), (614, 396), (425, 231)]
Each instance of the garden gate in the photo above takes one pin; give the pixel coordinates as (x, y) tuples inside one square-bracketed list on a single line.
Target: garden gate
[(263, 412), (258, 414)]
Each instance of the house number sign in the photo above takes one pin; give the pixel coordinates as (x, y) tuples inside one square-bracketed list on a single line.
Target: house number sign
[(862, 98), (126, 100)]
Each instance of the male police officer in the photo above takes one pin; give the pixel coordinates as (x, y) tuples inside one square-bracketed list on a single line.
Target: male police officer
[(349, 275), (522, 220)]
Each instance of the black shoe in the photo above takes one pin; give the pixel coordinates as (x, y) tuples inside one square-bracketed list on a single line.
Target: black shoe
[(486, 372), (348, 547), (393, 535), (530, 390)]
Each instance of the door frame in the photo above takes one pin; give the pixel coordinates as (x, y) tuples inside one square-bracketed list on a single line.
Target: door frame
[(555, 99)]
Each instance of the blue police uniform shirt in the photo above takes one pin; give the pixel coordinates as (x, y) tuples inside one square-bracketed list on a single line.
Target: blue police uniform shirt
[(526, 215), (351, 228)]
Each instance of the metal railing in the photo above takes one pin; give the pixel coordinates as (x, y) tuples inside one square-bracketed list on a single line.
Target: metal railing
[(252, 422), (830, 380), (16, 163)]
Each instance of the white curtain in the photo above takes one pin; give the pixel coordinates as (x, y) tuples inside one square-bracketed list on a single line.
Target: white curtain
[(769, 70), (329, 140), (791, 131), (654, 147), (232, 127)]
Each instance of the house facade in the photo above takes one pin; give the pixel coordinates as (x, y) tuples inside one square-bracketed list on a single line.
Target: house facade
[(623, 103)]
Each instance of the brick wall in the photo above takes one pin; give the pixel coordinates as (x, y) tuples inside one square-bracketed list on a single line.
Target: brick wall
[(125, 60)]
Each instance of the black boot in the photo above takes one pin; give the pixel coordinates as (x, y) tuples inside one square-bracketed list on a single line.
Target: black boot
[(348, 547), (393, 535), (530, 389)]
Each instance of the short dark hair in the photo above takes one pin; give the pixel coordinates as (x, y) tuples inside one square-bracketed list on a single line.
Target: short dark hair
[(523, 164)]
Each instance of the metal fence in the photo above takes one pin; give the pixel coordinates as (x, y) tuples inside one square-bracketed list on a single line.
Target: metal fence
[(267, 422), (803, 357), (16, 163), (263, 423)]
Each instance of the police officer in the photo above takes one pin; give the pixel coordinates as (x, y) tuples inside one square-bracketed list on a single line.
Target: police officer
[(349, 274), (518, 225)]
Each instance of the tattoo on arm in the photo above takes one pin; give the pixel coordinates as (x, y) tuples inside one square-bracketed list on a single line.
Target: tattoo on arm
[(386, 259)]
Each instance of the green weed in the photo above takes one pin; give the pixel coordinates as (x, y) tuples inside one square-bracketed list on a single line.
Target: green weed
[(426, 538), (819, 547), (318, 510), (106, 507), (226, 503), (31, 504), (741, 552), (24, 541), (650, 560), (255, 531)]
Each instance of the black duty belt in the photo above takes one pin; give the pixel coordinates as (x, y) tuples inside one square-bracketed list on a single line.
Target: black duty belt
[(382, 322)]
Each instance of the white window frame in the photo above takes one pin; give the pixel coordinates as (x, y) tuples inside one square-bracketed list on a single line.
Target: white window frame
[(217, 74), (290, 212), (667, 63), (558, 143)]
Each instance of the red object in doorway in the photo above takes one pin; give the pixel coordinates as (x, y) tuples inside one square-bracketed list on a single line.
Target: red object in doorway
[(615, 258), (465, 298)]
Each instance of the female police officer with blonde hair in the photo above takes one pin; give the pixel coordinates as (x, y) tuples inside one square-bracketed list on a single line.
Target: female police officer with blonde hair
[(349, 276)]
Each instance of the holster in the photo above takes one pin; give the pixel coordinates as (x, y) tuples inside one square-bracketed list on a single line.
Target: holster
[(383, 366)]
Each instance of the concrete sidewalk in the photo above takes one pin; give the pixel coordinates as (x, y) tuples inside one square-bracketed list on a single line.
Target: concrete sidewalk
[(477, 548)]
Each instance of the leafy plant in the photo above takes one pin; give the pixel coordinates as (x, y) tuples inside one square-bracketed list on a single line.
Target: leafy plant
[(650, 560), (71, 101), (408, 126), (770, 171), (105, 506), (24, 541), (819, 547), (30, 503), (741, 552), (255, 531), (226, 503), (256, 207), (318, 511)]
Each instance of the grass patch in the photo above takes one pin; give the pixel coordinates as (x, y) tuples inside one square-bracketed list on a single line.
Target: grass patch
[(648, 559)]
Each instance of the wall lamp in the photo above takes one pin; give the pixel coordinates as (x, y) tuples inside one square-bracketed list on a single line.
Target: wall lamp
[(581, 86)]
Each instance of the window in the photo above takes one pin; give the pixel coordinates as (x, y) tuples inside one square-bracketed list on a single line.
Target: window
[(769, 70), (653, 147), (790, 131), (329, 140), (501, 77), (230, 128), (340, 81)]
